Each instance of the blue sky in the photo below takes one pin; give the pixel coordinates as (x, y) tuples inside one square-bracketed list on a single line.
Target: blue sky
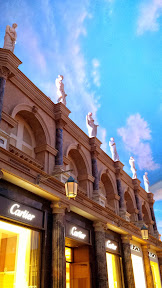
[(109, 52)]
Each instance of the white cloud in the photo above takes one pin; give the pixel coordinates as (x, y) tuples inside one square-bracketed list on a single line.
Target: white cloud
[(135, 136), (102, 137), (95, 72), (157, 190), (149, 14)]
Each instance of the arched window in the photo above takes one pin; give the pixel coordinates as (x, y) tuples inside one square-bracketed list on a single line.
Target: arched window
[(22, 137)]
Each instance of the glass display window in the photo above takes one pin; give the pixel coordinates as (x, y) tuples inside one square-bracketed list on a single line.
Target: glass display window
[(19, 256), (115, 271)]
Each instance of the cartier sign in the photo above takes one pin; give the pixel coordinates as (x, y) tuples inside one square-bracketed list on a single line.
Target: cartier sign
[(76, 232), (111, 245), (21, 212)]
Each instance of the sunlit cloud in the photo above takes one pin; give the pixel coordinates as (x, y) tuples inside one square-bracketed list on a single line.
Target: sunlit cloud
[(95, 72), (149, 14), (135, 136), (102, 137), (157, 190)]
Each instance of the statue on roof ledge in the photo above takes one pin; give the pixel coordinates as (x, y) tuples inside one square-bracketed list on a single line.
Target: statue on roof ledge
[(60, 90), (146, 182), (92, 128), (113, 150), (10, 37), (133, 169)]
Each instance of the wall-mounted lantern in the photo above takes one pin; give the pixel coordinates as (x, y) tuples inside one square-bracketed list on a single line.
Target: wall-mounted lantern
[(144, 232), (71, 186)]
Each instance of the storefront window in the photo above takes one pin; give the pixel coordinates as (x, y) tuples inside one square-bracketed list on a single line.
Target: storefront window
[(68, 255), (138, 265), (114, 271), (19, 256)]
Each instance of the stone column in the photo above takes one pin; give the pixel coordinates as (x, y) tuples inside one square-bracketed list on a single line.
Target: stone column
[(118, 172), (101, 265), (58, 246), (8, 68), (127, 262), (136, 184), (148, 272), (59, 143), (97, 196), (151, 203), (159, 255), (61, 118), (95, 171)]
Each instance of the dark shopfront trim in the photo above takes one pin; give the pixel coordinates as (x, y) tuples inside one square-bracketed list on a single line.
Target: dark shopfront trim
[(33, 204)]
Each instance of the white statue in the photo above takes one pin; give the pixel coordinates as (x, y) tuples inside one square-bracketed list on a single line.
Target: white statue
[(60, 90), (133, 169), (92, 128), (10, 37), (113, 150), (146, 182)]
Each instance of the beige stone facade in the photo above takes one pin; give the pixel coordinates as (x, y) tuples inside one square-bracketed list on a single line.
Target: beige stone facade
[(30, 127)]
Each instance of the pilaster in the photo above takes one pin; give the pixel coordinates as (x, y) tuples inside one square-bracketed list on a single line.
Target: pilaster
[(148, 272), (127, 262), (101, 277)]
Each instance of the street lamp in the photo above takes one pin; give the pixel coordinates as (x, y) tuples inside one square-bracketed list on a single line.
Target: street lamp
[(71, 186), (144, 232)]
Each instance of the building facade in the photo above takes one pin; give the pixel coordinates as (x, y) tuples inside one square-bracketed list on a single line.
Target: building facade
[(47, 240)]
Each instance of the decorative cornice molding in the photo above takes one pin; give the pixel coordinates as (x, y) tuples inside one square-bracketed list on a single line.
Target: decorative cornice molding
[(86, 177), (47, 148), (8, 119)]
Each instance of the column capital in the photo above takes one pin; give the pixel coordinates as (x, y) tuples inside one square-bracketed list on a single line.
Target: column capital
[(145, 247), (8, 63), (5, 72), (136, 183), (126, 238), (95, 146), (99, 226), (151, 200), (61, 114), (59, 207), (118, 169)]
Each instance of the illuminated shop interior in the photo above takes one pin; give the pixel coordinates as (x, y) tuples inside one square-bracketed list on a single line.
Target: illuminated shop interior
[(77, 267), (19, 256), (114, 268), (155, 274)]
